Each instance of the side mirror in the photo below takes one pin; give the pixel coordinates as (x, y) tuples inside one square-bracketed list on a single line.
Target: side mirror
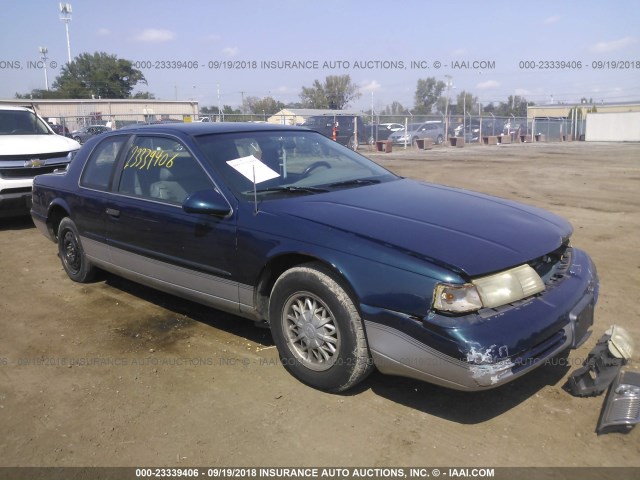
[(209, 202)]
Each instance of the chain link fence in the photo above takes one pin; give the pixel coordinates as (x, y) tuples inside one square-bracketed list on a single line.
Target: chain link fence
[(473, 128)]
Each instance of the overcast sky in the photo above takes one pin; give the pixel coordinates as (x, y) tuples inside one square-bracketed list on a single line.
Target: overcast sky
[(373, 41)]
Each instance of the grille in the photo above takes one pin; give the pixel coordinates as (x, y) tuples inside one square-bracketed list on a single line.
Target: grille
[(29, 156), (553, 266), (28, 172)]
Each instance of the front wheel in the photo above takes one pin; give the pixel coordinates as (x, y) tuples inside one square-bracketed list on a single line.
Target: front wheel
[(71, 253), (318, 330), (439, 140)]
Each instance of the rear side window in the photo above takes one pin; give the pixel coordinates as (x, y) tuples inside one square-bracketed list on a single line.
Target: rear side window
[(99, 168)]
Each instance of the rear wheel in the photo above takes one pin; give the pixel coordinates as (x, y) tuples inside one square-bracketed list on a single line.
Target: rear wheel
[(318, 330), (71, 253)]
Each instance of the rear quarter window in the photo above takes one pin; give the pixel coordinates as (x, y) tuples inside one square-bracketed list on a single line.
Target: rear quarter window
[(98, 170)]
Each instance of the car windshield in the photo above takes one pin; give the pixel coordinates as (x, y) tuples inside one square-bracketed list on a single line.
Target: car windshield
[(21, 122), (287, 162)]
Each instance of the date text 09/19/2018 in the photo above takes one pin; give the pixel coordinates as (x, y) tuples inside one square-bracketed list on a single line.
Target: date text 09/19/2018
[(579, 65)]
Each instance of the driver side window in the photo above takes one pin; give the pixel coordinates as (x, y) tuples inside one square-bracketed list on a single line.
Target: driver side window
[(161, 169)]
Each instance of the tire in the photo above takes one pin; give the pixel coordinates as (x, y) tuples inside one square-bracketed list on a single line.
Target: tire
[(318, 330), (77, 139), (439, 140), (71, 253), (352, 143)]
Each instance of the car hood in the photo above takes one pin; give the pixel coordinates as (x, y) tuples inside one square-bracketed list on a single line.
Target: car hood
[(474, 233), (35, 144)]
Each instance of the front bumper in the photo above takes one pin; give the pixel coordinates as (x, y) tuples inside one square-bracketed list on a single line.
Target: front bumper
[(15, 197), (479, 352)]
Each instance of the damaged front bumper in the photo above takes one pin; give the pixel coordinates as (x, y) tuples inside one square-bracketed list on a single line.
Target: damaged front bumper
[(491, 348)]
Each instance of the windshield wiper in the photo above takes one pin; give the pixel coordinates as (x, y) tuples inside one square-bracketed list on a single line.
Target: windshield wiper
[(292, 189), (356, 181)]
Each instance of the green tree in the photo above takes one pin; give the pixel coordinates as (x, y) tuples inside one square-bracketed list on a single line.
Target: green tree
[(395, 108), (428, 91), (99, 74), (515, 105), (209, 110), (466, 102), (38, 93), (266, 105), (336, 93), (229, 110), (144, 95)]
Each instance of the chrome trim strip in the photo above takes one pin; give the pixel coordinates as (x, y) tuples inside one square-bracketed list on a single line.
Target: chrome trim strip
[(209, 290)]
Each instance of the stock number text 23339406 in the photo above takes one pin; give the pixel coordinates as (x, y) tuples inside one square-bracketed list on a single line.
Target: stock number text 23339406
[(146, 158)]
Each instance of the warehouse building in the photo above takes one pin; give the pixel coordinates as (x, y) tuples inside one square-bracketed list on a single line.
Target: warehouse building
[(77, 113)]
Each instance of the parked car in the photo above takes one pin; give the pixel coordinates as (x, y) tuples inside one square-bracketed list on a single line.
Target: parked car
[(28, 147), (472, 131), (83, 134), (349, 265), (344, 125), (60, 129), (432, 129), (382, 131), (514, 128)]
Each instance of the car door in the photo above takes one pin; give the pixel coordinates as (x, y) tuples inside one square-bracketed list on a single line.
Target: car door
[(95, 183), (153, 240)]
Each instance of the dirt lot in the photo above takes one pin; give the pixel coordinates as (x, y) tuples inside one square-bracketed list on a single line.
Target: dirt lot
[(114, 374)]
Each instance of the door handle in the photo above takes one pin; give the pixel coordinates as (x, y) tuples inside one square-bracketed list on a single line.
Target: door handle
[(113, 212)]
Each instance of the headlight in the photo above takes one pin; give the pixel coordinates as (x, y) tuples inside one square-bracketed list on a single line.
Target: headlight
[(490, 291), (509, 286), (456, 298)]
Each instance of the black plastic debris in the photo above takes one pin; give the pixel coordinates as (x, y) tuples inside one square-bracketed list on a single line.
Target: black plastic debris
[(621, 409), (598, 370)]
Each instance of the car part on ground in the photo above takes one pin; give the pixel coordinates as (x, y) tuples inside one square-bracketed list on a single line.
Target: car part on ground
[(611, 352), (621, 409)]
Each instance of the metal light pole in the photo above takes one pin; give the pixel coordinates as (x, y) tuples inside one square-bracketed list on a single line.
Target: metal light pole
[(220, 117), (446, 109), (65, 16), (43, 54)]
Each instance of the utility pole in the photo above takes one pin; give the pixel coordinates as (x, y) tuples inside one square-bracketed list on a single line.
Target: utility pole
[(446, 109), (43, 53), (65, 16)]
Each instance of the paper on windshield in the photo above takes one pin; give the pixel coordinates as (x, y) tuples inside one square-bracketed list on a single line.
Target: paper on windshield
[(253, 169)]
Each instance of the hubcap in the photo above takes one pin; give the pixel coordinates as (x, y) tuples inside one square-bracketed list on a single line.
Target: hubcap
[(310, 331), (71, 254)]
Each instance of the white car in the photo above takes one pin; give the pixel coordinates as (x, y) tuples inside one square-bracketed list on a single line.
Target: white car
[(28, 147)]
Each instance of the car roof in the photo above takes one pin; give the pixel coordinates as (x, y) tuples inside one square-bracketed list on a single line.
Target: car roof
[(203, 128)]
